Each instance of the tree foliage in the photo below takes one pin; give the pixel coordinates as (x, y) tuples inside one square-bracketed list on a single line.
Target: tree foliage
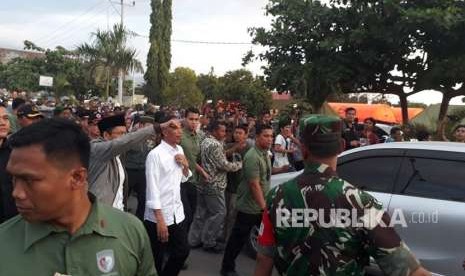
[(107, 54), (182, 90), (68, 72), (209, 84), (381, 46), (251, 92), (159, 56)]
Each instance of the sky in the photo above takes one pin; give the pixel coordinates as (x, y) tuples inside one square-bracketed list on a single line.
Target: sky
[(68, 23)]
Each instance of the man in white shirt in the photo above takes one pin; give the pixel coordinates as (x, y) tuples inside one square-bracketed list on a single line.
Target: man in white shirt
[(282, 146), (166, 169)]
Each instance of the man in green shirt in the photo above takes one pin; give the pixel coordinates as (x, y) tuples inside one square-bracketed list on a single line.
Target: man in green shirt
[(256, 173), (240, 147), (190, 143), (61, 229)]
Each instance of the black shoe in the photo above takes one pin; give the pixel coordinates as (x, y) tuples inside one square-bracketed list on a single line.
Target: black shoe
[(228, 273)]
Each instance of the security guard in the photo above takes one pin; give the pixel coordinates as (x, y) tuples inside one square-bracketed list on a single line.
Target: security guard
[(303, 231), (62, 229)]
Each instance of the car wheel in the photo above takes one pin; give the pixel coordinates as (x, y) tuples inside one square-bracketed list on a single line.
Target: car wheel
[(251, 248)]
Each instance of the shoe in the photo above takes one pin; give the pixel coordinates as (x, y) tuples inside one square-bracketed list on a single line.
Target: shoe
[(228, 273)]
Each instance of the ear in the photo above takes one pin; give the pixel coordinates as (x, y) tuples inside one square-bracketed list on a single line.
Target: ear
[(106, 135), (164, 131), (79, 178)]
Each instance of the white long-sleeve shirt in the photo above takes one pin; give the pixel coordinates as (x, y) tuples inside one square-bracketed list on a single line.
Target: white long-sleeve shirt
[(164, 177)]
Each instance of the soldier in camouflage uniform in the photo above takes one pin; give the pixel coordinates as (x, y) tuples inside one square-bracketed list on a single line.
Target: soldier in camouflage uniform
[(315, 247), (210, 213)]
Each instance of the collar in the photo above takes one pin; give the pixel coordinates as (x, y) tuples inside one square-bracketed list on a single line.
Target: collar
[(318, 168), (168, 146), (263, 151), (96, 222), (189, 132)]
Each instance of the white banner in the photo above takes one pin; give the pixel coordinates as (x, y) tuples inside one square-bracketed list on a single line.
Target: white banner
[(46, 81)]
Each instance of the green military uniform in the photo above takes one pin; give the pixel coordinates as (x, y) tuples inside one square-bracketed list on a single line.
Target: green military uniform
[(109, 243), (190, 143), (318, 249), (256, 165)]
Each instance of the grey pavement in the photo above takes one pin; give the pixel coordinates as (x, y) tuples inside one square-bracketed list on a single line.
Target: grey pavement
[(203, 263)]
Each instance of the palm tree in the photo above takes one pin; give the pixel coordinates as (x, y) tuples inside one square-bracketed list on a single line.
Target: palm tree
[(108, 55)]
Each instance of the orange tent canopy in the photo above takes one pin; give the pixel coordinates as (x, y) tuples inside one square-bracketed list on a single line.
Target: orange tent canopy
[(412, 112), (380, 112)]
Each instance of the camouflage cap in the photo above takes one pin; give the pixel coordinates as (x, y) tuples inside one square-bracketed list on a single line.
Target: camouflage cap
[(320, 128)]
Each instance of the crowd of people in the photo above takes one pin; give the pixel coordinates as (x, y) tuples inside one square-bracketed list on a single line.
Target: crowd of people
[(357, 135), (201, 180)]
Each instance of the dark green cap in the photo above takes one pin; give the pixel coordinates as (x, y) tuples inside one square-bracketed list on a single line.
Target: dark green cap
[(320, 129)]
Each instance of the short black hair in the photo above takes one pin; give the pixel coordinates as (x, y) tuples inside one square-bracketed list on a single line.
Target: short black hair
[(165, 117), (60, 139), (423, 135), (215, 125), (17, 102), (350, 109), (394, 130), (459, 126), (262, 127), (244, 127), (191, 110), (159, 116), (370, 119)]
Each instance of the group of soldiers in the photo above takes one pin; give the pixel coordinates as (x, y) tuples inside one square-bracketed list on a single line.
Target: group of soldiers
[(193, 191)]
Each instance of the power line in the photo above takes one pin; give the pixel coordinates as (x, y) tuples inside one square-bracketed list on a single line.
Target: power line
[(71, 31), (89, 24), (201, 42), (113, 6), (61, 27)]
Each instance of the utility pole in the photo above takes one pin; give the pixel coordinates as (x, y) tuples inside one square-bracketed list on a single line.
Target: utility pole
[(120, 71)]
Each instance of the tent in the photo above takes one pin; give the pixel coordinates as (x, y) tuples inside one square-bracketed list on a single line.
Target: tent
[(380, 112), (429, 117), (412, 113)]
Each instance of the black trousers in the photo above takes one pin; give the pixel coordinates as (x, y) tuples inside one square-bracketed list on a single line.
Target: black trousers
[(176, 248), (189, 202), (137, 183), (239, 236)]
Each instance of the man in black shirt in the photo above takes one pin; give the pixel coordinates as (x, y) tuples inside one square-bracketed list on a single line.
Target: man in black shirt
[(350, 131)]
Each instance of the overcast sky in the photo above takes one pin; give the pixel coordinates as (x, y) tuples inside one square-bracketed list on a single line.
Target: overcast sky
[(49, 23)]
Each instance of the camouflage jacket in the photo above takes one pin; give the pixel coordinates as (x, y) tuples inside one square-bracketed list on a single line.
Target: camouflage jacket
[(316, 248), (215, 163)]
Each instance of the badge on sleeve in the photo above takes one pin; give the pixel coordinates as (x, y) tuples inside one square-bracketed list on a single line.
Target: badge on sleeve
[(105, 260)]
